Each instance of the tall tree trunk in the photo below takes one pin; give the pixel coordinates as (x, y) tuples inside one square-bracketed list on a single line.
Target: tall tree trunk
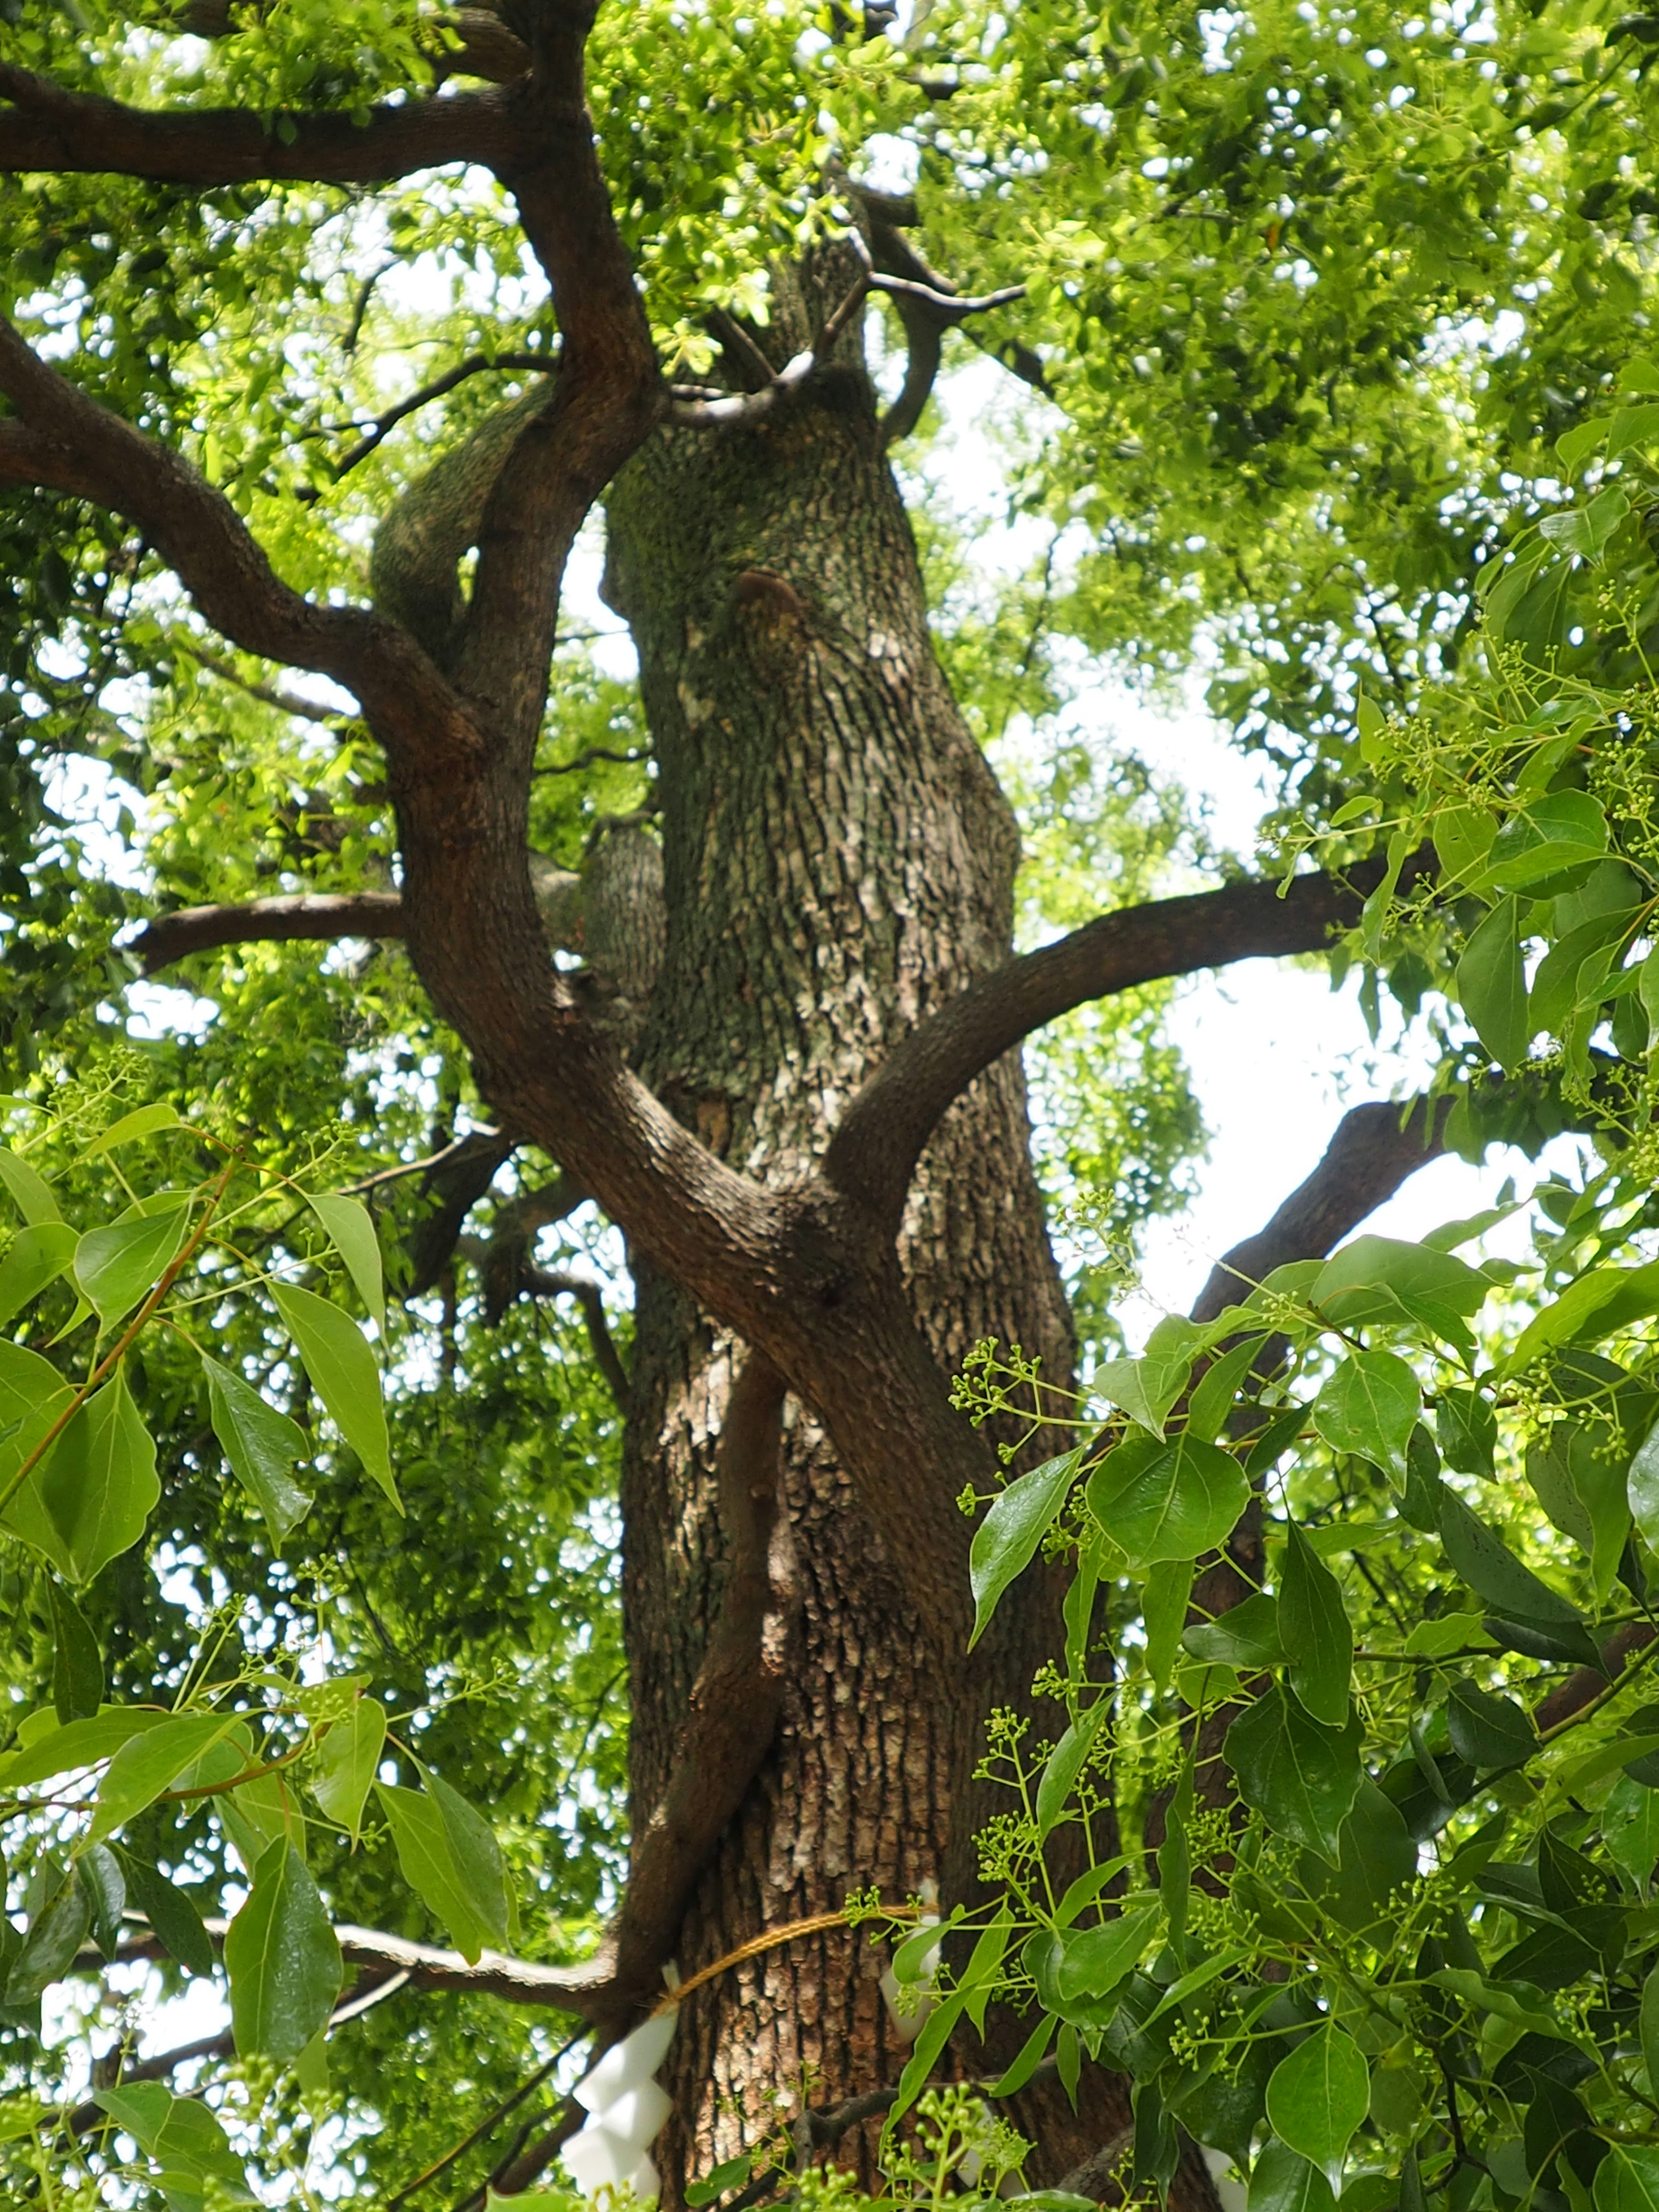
[(838, 859)]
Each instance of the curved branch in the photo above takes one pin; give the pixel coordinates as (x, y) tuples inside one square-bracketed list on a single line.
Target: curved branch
[(48, 127), (67, 442), (1375, 1148), (737, 410), (874, 1154), (737, 1694), (311, 916), (478, 365)]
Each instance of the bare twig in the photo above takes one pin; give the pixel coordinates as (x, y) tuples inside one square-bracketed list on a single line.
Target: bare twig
[(547, 1282), (477, 366), (490, 2121), (289, 702)]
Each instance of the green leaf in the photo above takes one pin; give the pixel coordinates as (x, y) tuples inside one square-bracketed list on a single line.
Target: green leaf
[(262, 1445), (1575, 1475), (1467, 1428), (1369, 1406), (732, 2174), (82, 1743), (1170, 1501), (179, 2134), (1030, 2058), (1143, 1389), (30, 1194), (345, 1764), (143, 1121), (342, 1367), (56, 1933), (1302, 1777), (171, 1912), (1217, 1387), (1282, 2180), (1599, 1304), (1560, 830), (350, 1230), (282, 1958), (1489, 1731), (1246, 1636), (451, 1860), (1379, 1279), (78, 1665), (1491, 986), (100, 1872), (1648, 2020), (115, 1267), (1317, 2098), (1492, 1571), (1095, 1959), (36, 1257), (1164, 1609), (1377, 1858), (150, 1763), (1313, 1621), (930, 2045), (1006, 1540), (1627, 2180), (88, 1499)]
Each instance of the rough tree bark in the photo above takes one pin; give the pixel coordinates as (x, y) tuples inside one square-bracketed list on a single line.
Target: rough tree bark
[(839, 862)]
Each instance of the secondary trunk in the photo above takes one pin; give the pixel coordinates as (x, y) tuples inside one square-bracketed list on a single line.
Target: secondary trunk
[(838, 859)]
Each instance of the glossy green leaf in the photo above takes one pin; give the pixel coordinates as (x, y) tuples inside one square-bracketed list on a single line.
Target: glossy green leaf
[(1627, 2180), (263, 1446), (1006, 1542), (1164, 1609), (34, 1258), (183, 2138), (282, 1958), (152, 1762), (62, 1750), (343, 1370), (345, 1764), (1318, 2097), (1648, 2022), (1492, 1571), (1560, 830), (1314, 1626), (1282, 2180), (117, 1265), (1598, 1305), (451, 1860), (1489, 1731), (1491, 986), (171, 1912), (1172, 1501), (1575, 1475), (350, 1229), (1143, 1389), (1302, 1777), (1214, 1392), (1380, 1278), (78, 1665), (1094, 1960), (1246, 1636), (87, 1500), (1369, 1406), (99, 1873), (56, 1932), (143, 1121), (30, 1192)]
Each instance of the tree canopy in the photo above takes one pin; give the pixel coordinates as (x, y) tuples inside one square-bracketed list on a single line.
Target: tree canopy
[(437, 1367)]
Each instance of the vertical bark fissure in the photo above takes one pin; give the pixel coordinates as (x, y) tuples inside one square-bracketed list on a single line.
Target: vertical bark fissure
[(838, 861)]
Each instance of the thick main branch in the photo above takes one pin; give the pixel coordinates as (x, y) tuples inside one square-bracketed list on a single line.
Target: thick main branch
[(48, 127), (874, 1154)]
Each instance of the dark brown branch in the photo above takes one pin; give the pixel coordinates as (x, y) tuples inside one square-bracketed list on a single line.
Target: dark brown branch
[(1375, 1147), (464, 1146), (738, 1692), (1571, 1696), (66, 442), (924, 336), (458, 1178), (307, 917), (48, 127), (593, 752), (547, 1282), (873, 1153), (477, 366)]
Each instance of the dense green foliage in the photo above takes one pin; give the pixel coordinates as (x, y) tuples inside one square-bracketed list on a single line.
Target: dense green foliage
[(1343, 321)]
